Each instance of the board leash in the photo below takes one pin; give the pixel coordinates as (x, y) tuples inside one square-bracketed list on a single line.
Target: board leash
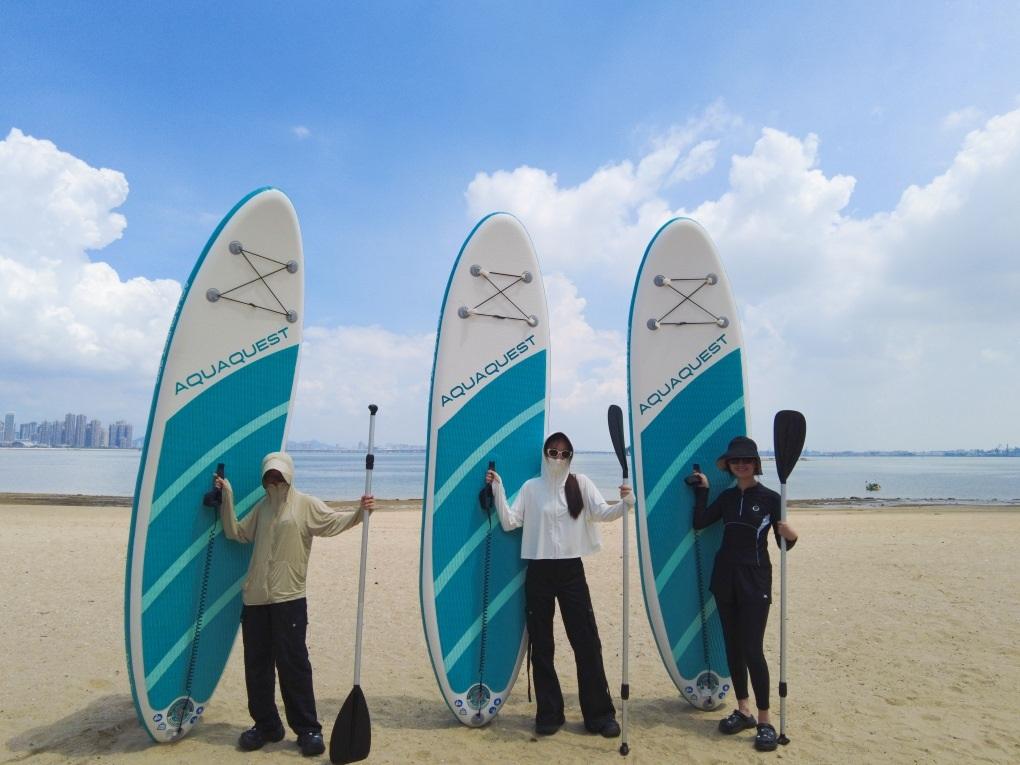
[(202, 598), (701, 603), (486, 501)]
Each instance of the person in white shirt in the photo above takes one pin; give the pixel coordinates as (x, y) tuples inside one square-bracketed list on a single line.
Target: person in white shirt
[(558, 511)]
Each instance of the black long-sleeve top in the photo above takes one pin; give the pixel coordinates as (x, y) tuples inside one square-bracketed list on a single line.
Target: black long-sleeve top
[(747, 516)]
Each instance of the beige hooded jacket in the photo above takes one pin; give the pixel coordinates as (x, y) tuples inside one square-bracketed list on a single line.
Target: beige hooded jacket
[(281, 525)]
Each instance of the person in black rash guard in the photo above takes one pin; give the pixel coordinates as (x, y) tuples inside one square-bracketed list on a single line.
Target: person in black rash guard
[(742, 579)]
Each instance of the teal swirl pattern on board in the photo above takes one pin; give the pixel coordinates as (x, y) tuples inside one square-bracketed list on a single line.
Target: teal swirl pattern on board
[(237, 421), (465, 446), (695, 427)]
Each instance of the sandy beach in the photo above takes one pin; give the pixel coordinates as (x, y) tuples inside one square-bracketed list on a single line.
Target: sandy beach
[(904, 626)]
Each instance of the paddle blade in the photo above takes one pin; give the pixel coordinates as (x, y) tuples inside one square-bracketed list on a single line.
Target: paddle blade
[(616, 433), (351, 739), (788, 431)]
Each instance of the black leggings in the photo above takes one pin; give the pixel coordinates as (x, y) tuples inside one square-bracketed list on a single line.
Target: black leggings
[(743, 624)]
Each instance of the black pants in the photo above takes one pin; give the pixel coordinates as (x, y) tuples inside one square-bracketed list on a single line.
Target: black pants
[(563, 580), (274, 640), (743, 599)]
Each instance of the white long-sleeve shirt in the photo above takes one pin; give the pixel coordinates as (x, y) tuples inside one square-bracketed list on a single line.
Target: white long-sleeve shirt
[(549, 530)]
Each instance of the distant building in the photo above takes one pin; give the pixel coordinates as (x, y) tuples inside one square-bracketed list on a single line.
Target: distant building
[(120, 435), (9, 434), (67, 435)]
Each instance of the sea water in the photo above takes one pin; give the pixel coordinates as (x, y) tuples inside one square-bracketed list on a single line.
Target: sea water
[(401, 475)]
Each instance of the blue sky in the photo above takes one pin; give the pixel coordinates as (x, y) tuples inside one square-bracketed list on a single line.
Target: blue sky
[(393, 125)]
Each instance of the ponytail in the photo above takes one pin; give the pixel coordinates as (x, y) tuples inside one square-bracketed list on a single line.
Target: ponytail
[(575, 503)]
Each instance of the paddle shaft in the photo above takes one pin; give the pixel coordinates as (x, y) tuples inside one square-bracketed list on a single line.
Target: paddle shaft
[(616, 435), (369, 466), (782, 615)]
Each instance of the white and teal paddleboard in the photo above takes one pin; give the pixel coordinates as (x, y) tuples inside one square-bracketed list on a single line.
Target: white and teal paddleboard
[(687, 383), (223, 395), (489, 402)]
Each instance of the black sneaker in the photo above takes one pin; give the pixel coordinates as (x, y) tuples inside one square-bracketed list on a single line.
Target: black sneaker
[(766, 740), (608, 728), (310, 744), (547, 729), (253, 738), (736, 722)]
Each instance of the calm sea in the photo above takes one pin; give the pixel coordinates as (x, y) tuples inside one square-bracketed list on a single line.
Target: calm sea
[(400, 475)]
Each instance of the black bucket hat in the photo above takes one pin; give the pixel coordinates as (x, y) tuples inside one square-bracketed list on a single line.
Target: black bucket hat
[(741, 446)]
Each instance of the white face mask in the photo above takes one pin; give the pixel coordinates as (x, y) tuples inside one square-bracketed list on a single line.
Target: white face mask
[(277, 492), (557, 468)]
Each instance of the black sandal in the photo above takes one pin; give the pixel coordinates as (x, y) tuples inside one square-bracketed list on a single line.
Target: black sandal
[(766, 740), (736, 722)]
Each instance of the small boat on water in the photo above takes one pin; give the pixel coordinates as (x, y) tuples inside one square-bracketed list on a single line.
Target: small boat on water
[(872, 486)]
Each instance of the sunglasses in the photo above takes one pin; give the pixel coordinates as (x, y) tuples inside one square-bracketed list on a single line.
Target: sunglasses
[(740, 461), (564, 453)]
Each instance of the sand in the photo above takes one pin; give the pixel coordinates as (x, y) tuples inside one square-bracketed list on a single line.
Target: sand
[(904, 628)]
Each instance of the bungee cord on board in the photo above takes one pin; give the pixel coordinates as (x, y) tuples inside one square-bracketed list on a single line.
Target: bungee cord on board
[(464, 312), (213, 294), (705, 281)]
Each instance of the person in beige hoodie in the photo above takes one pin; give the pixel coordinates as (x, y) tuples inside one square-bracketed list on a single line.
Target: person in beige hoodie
[(274, 618)]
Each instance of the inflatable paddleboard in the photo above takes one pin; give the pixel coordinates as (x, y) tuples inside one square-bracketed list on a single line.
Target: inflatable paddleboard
[(687, 386), (488, 403), (223, 395)]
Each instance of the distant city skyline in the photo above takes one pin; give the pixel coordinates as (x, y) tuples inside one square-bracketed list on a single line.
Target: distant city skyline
[(75, 430)]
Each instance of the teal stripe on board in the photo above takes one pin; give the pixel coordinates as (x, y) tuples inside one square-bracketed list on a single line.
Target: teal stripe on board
[(469, 547), (476, 628), (241, 508), (185, 640), (674, 560), (693, 630), (692, 447), (484, 449), (202, 463)]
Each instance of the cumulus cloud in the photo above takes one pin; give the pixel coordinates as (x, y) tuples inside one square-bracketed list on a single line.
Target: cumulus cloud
[(59, 310), (300, 132), (882, 328), (968, 117), (343, 369)]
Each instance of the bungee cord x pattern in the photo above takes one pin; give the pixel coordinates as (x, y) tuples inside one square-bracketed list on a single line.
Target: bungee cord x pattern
[(291, 266)]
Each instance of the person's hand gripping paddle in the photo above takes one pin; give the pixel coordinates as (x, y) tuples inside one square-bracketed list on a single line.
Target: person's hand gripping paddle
[(788, 432), (616, 434), (351, 739)]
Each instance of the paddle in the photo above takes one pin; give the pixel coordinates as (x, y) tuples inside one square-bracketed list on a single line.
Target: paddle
[(616, 434), (351, 739), (788, 431)]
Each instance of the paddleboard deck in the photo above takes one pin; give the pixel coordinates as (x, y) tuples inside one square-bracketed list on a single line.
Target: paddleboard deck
[(687, 383), (488, 402), (223, 395)]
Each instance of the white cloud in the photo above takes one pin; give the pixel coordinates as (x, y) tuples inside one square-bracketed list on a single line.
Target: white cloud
[(300, 132), (59, 311), (343, 369), (894, 330), (966, 118)]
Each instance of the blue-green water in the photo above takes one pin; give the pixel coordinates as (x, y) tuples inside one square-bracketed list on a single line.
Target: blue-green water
[(400, 475)]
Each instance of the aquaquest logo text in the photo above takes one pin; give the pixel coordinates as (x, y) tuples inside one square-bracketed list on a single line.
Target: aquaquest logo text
[(494, 367), (686, 372), (207, 374)]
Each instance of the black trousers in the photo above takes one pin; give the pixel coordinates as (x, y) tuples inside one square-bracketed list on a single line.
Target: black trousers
[(563, 580), (274, 641)]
